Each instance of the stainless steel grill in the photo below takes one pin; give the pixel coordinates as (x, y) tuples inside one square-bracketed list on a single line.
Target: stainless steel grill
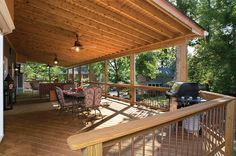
[(186, 93)]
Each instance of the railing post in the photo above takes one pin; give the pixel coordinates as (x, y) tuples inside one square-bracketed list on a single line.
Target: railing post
[(229, 128), (132, 80), (94, 150), (106, 78)]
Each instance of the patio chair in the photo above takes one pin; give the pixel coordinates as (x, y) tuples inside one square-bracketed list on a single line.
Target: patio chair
[(65, 105), (88, 100), (97, 99)]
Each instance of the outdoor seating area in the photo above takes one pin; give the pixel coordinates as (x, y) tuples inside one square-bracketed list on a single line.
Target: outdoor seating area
[(80, 101), (117, 78)]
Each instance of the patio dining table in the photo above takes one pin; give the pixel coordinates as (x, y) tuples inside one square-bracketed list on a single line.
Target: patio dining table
[(79, 95), (76, 96)]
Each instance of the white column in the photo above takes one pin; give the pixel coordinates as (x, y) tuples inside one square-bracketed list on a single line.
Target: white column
[(1, 87), (6, 27), (181, 62)]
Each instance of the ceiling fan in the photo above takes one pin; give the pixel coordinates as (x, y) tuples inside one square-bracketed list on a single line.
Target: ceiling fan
[(78, 46)]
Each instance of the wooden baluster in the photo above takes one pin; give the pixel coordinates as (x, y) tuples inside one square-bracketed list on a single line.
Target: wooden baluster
[(188, 135), (144, 145), (119, 144), (132, 146), (206, 134), (182, 140), (176, 138), (94, 150), (229, 128), (162, 138), (194, 118), (213, 129), (169, 144), (153, 143)]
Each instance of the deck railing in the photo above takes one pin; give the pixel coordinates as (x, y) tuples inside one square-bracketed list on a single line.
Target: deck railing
[(152, 97), (149, 96), (202, 129)]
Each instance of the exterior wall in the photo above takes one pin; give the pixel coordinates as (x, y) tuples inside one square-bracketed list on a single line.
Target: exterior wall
[(1, 86), (10, 54), (6, 27)]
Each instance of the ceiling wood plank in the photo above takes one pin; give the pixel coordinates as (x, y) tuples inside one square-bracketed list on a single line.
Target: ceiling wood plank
[(164, 19), (75, 20), (106, 12), (121, 7), (97, 18), (55, 32), (58, 40), (61, 23)]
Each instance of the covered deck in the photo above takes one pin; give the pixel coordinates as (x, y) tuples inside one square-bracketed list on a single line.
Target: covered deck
[(46, 31)]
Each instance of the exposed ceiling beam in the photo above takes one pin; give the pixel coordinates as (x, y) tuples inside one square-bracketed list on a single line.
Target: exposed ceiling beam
[(163, 44)]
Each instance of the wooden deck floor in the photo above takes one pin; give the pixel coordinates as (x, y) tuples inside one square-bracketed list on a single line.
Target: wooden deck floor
[(34, 127)]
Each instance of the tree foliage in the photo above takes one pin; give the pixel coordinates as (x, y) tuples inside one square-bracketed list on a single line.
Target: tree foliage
[(214, 60), (98, 70), (119, 70), (148, 63), (36, 71)]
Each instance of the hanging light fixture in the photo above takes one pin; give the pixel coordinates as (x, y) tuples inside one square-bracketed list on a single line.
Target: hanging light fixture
[(55, 60), (17, 67), (77, 44)]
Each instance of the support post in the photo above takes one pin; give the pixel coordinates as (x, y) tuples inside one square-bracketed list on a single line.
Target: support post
[(49, 74), (106, 78), (80, 76), (181, 62), (90, 73), (67, 72), (229, 127), (132, 80), (94, 150), (72, 75)]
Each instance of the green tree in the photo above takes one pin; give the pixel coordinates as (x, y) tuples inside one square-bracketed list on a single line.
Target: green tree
[(214, 60), (119, 70), (98, 71), (148, 63), (36, 71)]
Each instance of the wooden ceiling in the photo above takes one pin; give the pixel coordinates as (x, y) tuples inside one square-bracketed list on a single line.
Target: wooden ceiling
[(106, 28)]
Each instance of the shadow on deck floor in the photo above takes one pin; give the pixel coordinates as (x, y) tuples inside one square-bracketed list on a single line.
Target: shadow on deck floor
[(34, 126)]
